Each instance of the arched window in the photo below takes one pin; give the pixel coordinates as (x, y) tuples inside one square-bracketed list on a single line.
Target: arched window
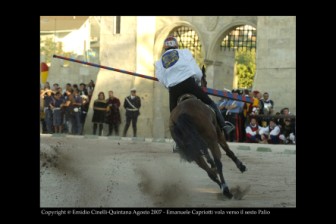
[(188, 38), (243, 41), (240, 38)]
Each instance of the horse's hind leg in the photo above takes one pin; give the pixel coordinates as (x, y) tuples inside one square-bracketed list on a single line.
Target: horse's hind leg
[(211, 173), (209, 159), (230, 154), (217, 155)]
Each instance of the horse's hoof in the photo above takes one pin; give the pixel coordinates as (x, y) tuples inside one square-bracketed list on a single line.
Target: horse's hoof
[(227, 193), (242, 167)]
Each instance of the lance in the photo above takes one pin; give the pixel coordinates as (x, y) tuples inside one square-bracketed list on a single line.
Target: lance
[(214, 92)]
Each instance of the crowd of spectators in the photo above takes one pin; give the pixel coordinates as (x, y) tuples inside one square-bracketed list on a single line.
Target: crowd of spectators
[(257, 122), (64, 111)]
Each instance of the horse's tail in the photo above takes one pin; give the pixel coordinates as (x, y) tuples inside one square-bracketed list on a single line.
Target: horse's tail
[(188, 138)]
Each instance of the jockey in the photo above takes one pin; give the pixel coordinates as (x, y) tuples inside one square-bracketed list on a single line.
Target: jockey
[(178, 71)]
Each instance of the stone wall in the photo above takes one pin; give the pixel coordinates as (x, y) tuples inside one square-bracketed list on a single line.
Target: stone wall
[(73, 73), (116, 51), (276, 60)]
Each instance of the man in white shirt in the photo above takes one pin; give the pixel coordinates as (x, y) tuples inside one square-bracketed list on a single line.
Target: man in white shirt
[(271, 133), (178, 71)]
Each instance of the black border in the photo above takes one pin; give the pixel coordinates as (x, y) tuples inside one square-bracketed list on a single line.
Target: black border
[(29, 177)]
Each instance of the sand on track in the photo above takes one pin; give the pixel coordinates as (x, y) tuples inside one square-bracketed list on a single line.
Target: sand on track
[(84, 172)]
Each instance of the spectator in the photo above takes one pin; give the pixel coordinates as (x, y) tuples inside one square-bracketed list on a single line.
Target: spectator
[(254, 107), (91, 86), (42, 114), (285, 111), (99, 112), (271, 133), (83, 90), (46, 95), (268, 104), (55, 86), (246, 108), (75, 87), (77, 124), (252, 131), (67, 88), (132, 105), (258, 108), (260, 103), (84, 109), (56, 105), (234, 116), (46, 85), (69, 110), (287, 133), (90, 89), (59, 89), (113, 114), (222, 106)]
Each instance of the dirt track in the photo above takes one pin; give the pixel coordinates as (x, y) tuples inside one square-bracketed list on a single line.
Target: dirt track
[(79, 172)]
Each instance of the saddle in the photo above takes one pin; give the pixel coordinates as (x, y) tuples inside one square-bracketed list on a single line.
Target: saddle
[(191, 96), (185, 97)]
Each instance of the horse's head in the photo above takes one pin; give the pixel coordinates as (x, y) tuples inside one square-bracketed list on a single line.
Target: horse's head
[(203, 80)]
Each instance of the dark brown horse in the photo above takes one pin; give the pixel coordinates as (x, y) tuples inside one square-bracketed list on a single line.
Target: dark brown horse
[(193, 126)]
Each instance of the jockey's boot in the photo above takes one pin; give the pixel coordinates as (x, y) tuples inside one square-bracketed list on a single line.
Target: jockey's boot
[(225, 126)]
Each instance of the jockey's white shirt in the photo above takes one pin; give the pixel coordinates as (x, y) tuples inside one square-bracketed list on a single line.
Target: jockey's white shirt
[(175, 66)]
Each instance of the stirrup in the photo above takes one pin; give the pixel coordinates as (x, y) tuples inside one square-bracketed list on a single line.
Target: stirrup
[(228, 127), (228, 123)]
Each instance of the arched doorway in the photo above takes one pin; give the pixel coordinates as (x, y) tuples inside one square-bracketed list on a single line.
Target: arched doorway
[(221, 55), (242, 42), (188, 38)]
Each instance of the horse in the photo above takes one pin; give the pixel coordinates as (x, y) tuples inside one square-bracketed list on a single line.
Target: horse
[(193, 126)]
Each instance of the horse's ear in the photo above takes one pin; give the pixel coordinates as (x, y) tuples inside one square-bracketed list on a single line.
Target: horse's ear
[(203, 70)]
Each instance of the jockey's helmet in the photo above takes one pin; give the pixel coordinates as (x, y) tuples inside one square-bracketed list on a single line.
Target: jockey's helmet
[(170, 42)]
